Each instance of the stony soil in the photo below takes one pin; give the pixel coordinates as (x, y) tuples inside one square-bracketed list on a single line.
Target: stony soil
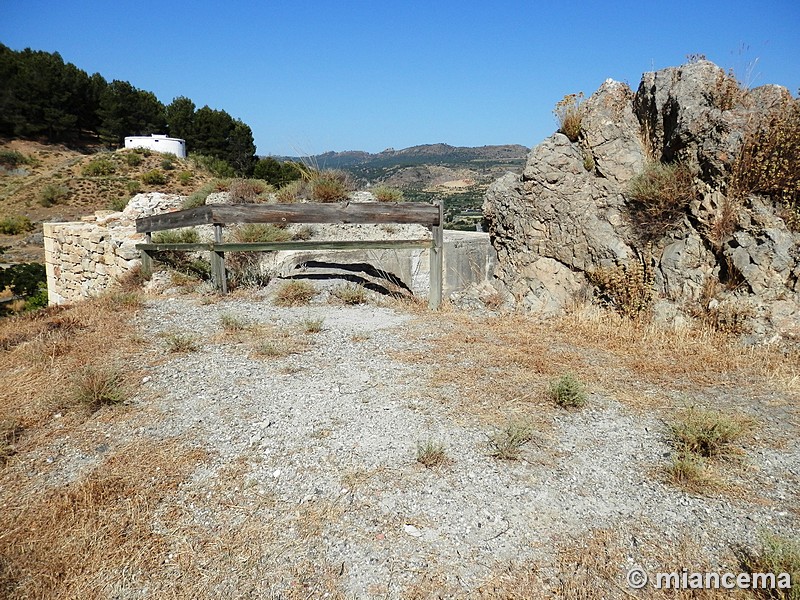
[(312, 480)]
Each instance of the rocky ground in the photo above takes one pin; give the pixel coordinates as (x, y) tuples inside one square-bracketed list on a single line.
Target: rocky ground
[(295, 440)]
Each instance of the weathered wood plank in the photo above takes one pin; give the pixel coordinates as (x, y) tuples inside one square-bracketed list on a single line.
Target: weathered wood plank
[(345, 212), (218, 262), (202, 215)]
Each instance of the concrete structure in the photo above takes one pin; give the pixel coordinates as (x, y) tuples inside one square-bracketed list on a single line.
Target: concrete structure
[(84, 258), (158, 143)]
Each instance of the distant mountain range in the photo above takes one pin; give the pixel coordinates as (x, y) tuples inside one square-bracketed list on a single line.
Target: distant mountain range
[(425, 165)]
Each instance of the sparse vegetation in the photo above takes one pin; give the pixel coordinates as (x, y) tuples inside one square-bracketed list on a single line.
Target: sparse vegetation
[(767, 163), (247, 233), (233, 323), (176, 236), (628, 289), (154, 177), (133, 159), (181, 342), (94, 387), (707, 434), (11, 159), (659, 197), (294, 293), (777, 555), (384, 193), (567, 392), (9, 434), (312, 325), (569, 114), (248, 191), (351, 294), (99, 167), (15, 225), (431, 454), (507, 443), (53, 193)]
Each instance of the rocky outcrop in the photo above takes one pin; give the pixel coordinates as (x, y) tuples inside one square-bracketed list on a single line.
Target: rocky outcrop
[(566, 229)]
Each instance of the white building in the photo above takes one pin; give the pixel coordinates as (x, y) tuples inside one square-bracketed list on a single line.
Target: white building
[(158, 143)]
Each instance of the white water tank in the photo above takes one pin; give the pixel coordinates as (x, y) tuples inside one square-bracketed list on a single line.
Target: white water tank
[(158, 143)]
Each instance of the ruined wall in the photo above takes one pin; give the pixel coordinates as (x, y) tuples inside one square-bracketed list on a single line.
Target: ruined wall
[(84, 258)]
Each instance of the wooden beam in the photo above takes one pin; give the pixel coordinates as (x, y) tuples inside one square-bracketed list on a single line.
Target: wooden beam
[(165, 247), (202, 215), (218, 261), (324, 245), (147, 260), (305, 212)]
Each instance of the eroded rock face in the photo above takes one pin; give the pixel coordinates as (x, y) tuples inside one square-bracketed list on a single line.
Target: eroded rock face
[(567, 215)]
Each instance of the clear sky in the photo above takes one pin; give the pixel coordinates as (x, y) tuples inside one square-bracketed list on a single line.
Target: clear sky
[(345, 75)]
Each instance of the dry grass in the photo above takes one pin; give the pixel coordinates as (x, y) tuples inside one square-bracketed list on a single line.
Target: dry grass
[(294, 293), (432, 454)]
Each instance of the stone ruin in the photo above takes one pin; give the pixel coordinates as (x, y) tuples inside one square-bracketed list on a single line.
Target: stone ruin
[(568, 216)]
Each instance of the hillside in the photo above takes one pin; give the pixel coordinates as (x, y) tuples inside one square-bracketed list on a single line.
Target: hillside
[(50, 182)]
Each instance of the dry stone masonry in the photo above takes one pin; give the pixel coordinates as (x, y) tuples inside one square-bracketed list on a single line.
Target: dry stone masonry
[(84, 258)]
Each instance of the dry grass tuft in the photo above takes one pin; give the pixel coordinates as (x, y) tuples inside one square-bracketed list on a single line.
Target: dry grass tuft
[(351, 294), (294, 293), (96, 386), (507, 443), (432, 454)]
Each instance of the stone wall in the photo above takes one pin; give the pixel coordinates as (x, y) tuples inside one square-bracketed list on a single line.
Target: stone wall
[(84, 258)]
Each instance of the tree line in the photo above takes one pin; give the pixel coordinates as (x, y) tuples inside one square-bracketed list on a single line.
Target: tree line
[(42, 97)]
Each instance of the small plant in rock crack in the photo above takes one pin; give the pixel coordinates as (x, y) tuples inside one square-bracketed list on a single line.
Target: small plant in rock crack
[(431, 454), (181, 342), (567, 392), (507, 443)]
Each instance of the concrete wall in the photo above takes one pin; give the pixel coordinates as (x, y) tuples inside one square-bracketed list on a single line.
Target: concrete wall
[(159, 143)]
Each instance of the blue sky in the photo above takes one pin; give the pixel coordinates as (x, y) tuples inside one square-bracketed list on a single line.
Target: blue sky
[(315, 76)]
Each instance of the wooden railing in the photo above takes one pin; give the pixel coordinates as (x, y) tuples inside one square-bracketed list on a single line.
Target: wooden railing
[(219, 215)]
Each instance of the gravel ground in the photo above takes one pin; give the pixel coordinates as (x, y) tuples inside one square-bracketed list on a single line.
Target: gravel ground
[(329, 435)]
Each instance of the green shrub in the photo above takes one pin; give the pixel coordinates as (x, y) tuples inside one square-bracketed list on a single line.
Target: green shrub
[(659, 197), (176, 236), (154, 177), (143, 151), (260, 232), (99, 167), (569, 114), (215, 166), (133, 159), (133, 187), (199, 197), (11, 159), (294, 293), (185, 177), (777, 555), (118, 204), (507, 443), (706, 433), (53, 193), (293, 191), (15, 224), (385, 193), (168, 162), (567, 392), (181, 342)]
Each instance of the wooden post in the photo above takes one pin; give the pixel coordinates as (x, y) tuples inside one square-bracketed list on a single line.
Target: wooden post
[(147, 260), (436, 275), (218, 262)]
